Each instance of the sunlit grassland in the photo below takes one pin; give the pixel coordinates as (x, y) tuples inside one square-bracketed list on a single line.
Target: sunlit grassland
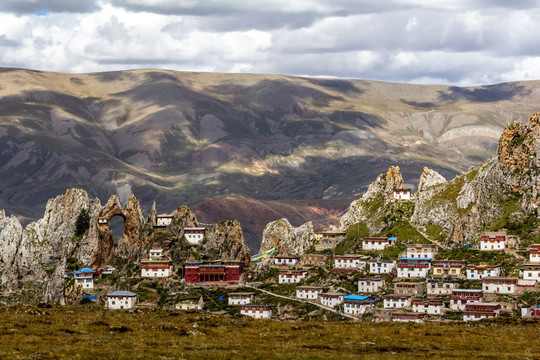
[(92, 332)]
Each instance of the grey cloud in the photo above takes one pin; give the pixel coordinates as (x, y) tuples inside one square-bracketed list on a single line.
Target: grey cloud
[(57, 6), (4, 41)]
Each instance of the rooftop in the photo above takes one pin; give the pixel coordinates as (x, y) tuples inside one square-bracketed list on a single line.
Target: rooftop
[(122, 293)]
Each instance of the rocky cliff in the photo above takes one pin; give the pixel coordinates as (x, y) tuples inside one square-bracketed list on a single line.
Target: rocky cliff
[(290, 240), (34, 259)]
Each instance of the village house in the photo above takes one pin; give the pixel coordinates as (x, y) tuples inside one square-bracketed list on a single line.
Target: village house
[(163, 220), (84, 278), (240, 298), (382, 315), (402, 316), (331, 299), (430, 307), (309, 292), (194, 235), (441, 287), (121, 300), (350, 262), (381, 266), (494, 241), (370, 286), (257, 311), (532, 312), (102, 221), (317, 260), (409, 288), (191, 304), (291, 276), (402, 194), (328, 239), (499, 285), (460, 297), (377, 243), (452, 268), (413, 268), (157, 265), (204, 272), (531, 271), (478, 311), (534, 253), (357, 305), (478, 272), (421, 251), (286, 260), (396, 301)]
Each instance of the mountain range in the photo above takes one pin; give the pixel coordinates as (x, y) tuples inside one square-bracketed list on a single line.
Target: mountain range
[(259, 146)]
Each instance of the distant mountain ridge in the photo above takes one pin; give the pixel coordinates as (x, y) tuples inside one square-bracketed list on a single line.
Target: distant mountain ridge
[(188, 138)]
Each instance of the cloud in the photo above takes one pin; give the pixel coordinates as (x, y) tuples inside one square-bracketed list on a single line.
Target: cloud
[(63, 6), (461, 42)]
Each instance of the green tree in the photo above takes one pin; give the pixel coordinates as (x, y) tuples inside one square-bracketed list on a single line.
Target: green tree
[(82, 223)]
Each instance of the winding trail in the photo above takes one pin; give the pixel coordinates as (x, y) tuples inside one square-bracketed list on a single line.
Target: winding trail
[(305, 301)]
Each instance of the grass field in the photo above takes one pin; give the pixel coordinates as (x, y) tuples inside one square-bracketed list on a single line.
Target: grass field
[(94, 333)]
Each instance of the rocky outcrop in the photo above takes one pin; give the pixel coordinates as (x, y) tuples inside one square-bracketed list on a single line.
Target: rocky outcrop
[(429, 178), (385, 184), (225, 241), (290, 240)]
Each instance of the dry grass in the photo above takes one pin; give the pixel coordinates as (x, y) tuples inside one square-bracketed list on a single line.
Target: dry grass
[(94, 333)]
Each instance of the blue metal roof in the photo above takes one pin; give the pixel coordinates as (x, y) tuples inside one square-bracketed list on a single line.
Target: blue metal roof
[(392, 238), (358, 298), (84, 270), (89, 297)]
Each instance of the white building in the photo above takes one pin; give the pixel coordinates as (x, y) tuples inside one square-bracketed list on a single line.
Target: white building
[(531, 271), (402, 194), (163, 220), (478, 311), (494, 241), (431, 307), (534, 253), (309, 292), (191, 304), (240, 298), (413, 268), (460, 297), (350, 262), (286, 260), (400, 316), (257, 311), (290, 277), (194, 235), (381, 266), (331, 299), (84, 278), (156, 268), (409, 288), (499, 285), (421, 251), (478, 272), (441, 287), (394, 301), (121, 300), (377, 243), (357, 305), (370, 285)]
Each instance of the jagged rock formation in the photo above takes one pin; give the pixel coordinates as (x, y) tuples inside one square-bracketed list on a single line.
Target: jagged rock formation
[(385, 184), (37, 255), (429, 178), (290, 240)]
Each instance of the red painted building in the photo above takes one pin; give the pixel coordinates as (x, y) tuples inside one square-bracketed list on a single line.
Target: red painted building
[(195, 272)]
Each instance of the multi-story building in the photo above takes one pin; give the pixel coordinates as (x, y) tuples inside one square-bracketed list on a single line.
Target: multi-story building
[(350, 262), (534, 253), (402, 316), (460, 297), (331, 299), (202, 272), (494, 241), (328, 239), (240, 298), (157, 265), (409, 288), (369, 286), (357, 305), (431, 307), (286, 260), (444, 268), (413, 268), (291, 276), (194, 235), (499, 285), (478, 272), (421, 251), (396, 301), (121, 300), (84, 278), (531, 271), (256, 311), (441, 287), (309, 292), (478, 311), (402, 194), (381, 266)]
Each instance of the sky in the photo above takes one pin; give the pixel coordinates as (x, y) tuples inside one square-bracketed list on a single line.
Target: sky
[(457, 42)]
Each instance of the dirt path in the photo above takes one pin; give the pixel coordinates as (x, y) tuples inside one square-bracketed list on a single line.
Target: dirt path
[(305, 301), (436, 242)]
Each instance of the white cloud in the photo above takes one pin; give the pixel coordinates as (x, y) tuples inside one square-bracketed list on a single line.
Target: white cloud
[(453, 42)]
